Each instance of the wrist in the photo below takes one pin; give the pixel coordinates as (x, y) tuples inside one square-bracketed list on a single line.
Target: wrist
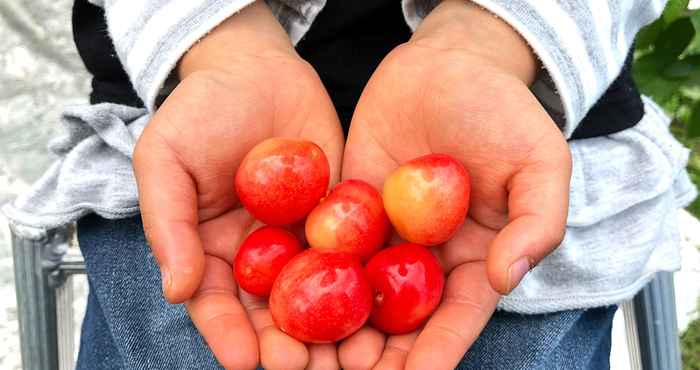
[(252, 33), (463, 25)]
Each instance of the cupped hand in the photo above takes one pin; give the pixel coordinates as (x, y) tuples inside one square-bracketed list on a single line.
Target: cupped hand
[(241, 84), (441, 93)]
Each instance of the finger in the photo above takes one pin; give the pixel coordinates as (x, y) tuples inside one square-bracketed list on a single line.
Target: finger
[(361, 350), (396, 351), (169, 213), (221, 319), (538, 203), (277, 349), (468, 303), (323, 357), (468, 245), (223, 235)]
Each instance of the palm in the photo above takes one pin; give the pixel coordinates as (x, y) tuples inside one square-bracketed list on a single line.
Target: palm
[(196, 141), (423, 100)]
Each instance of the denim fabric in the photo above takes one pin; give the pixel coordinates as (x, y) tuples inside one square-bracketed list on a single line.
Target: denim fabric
[(567, 340), (128, 324)]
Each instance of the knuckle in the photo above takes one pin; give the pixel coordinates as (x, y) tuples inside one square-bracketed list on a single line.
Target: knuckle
[(395, 349), (450, 333), (465, 302)]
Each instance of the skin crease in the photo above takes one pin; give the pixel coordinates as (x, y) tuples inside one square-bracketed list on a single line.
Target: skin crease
[(427, 198), (281, 180), (261, 257), (321, 297), (196, 140), (407, 281), (350, 219), (460, 87)]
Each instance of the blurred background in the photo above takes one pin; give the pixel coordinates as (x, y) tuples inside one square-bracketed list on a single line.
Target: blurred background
[(40, 73)]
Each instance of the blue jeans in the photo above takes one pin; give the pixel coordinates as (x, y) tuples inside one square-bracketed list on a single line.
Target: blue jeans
[(128, 324)]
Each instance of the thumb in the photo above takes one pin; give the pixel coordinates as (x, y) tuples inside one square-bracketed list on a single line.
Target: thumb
[(168, 203), (538, 198)]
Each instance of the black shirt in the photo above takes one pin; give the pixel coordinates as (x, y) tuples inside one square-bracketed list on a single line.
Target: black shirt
[(345, 44)]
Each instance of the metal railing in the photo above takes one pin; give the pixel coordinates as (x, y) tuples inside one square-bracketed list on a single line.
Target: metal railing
[(44, 265)]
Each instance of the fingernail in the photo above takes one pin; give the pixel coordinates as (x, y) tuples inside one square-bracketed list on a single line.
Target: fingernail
[(167, 279), (517, 271)]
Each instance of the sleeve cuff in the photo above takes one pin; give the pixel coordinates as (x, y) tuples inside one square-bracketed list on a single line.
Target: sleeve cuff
[(578, 65), (150, 39)]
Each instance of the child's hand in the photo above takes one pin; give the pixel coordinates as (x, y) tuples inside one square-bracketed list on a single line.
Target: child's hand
[(460, 87), (241, 84)]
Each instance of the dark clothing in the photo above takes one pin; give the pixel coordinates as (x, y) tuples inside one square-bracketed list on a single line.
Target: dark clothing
[(345, 44)]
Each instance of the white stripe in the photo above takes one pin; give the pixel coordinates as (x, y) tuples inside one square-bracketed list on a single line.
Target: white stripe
[(573, 44), (213, 13), (155, 30), (622, 45), (545, 57), (121, 15), (658, 7), (603, 25)]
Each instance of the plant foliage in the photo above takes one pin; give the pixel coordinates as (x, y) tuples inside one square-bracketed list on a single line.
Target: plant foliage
[(667, 68)]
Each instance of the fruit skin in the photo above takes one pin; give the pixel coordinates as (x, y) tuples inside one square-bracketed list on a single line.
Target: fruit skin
[(350, 219), (407, 281), (261, 257), (281, 180), (427, 198), (321, 297)]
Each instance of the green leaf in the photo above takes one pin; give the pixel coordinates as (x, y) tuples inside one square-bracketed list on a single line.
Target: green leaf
[(691, 93), (694, 123), (651, 64), (675, 38), (658, 88), (648, 35), (683, 113), (660, 72), (694, 46), (674, 10), (679, 70)]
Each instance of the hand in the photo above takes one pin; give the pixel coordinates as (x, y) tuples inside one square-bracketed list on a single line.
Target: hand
[(241, 84), (460, 86)]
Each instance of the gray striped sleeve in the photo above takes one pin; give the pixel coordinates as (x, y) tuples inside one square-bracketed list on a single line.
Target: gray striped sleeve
[(150, 36), (581, 43)]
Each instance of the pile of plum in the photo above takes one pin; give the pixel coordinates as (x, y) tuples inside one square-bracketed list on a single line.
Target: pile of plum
[(347, 275)]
